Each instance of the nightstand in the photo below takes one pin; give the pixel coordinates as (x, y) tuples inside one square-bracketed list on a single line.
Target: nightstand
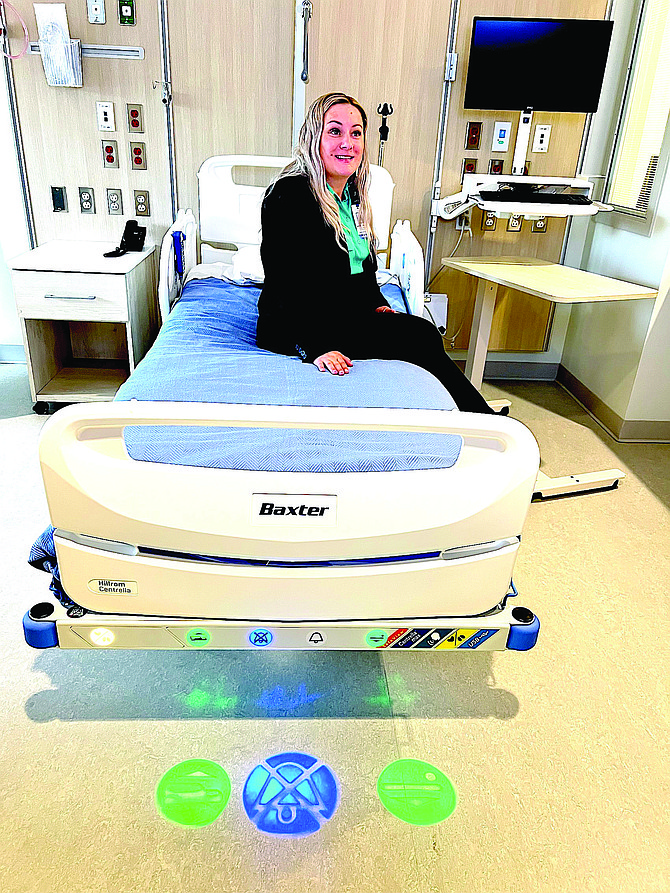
[(87, 320)]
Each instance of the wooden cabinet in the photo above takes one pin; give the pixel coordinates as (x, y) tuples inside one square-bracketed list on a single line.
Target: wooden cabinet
[(87, 320)]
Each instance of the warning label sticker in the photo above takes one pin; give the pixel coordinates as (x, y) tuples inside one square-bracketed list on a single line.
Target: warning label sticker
[(456, 638), (466, 638), (433, 639)]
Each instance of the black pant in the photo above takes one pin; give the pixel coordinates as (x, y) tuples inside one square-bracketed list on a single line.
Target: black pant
[(397, 336)]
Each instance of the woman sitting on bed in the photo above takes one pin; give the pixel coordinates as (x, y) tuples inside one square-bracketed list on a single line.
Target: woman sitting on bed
[(320, 300)]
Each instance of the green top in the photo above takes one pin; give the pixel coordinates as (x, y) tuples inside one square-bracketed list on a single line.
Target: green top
[(357, 246)]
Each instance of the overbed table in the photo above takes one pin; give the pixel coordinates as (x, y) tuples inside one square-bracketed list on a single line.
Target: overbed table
[(551, 282)]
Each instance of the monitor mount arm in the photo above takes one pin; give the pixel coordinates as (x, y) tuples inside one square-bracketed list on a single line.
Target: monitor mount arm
[(521, 144)]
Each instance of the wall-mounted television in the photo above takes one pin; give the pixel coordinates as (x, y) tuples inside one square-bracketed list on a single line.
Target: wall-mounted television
[(549, 65)]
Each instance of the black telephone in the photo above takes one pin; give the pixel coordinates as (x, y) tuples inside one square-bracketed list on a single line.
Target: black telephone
[(131, 240)]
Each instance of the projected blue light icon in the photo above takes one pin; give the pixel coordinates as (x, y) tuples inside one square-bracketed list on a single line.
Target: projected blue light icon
[(260, 637), (290, 795)]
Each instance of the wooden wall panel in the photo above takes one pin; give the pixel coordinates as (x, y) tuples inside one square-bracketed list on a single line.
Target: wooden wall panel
[(519, 323), (388, 51), (60, 131), (232, 80)]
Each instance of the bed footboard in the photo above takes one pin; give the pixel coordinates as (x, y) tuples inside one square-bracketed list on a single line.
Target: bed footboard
[(436, 537)]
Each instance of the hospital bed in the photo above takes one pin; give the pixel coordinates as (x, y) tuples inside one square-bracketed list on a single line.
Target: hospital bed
[(234, 498)]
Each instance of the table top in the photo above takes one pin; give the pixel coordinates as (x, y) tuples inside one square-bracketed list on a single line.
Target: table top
[(550, 281), (63, 256)]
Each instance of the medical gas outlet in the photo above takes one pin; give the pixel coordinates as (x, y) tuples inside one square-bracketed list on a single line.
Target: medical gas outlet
[(96, 11), (127, 12)]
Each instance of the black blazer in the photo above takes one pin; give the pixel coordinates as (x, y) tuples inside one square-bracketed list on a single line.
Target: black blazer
[(309, 291)]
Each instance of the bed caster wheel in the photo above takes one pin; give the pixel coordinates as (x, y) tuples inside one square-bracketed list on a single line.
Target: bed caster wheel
[(42, 408)]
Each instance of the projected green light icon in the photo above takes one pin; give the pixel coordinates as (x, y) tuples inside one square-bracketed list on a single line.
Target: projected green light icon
[(416, 792), (197, 638), (193, 793), (376, 638)]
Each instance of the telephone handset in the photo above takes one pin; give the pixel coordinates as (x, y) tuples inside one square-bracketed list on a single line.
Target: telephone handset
[(131, 240)]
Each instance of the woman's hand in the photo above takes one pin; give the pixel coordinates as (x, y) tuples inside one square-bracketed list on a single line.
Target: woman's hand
[(334, 362), (384, 309)]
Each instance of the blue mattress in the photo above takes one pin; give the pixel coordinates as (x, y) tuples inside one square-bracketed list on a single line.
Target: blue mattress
[(206, 352)]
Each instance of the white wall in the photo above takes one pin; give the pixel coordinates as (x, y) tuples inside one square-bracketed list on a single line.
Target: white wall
[(13, 230), (650, 394), (617, 349)]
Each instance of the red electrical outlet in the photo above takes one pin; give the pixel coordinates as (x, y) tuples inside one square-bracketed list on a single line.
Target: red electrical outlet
[(496, 166), (469, 166), (138, 156), (473, 135), (110, 153), (135, 118)]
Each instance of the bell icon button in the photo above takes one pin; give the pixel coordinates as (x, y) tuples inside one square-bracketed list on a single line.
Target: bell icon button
[(316, 638)]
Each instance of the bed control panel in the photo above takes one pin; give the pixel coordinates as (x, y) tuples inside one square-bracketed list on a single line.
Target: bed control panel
[(512, 628)]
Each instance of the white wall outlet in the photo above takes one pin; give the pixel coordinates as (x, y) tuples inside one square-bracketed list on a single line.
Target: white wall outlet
[(86, 200), (514, 223), (463, 222), (541, 138), (96, 11), (501, 133), (105, 113), (114, 201), (141, 203)]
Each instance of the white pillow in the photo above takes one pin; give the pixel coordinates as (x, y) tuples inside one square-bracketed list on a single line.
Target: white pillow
[(247, 265)]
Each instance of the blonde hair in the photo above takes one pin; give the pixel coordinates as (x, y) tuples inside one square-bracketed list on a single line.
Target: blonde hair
[(307, 161)]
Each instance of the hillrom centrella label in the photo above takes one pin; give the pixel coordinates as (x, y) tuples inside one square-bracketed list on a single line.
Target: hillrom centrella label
[(113, 587), (294, 509)]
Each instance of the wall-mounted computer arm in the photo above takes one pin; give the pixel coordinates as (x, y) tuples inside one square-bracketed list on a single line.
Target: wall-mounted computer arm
[(453, 206)]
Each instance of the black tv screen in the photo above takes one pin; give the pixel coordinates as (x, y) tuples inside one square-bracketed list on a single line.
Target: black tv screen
[(552, 65)]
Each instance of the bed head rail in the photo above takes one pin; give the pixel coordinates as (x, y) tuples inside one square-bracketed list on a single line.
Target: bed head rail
[(230, 212), (178, 255)]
